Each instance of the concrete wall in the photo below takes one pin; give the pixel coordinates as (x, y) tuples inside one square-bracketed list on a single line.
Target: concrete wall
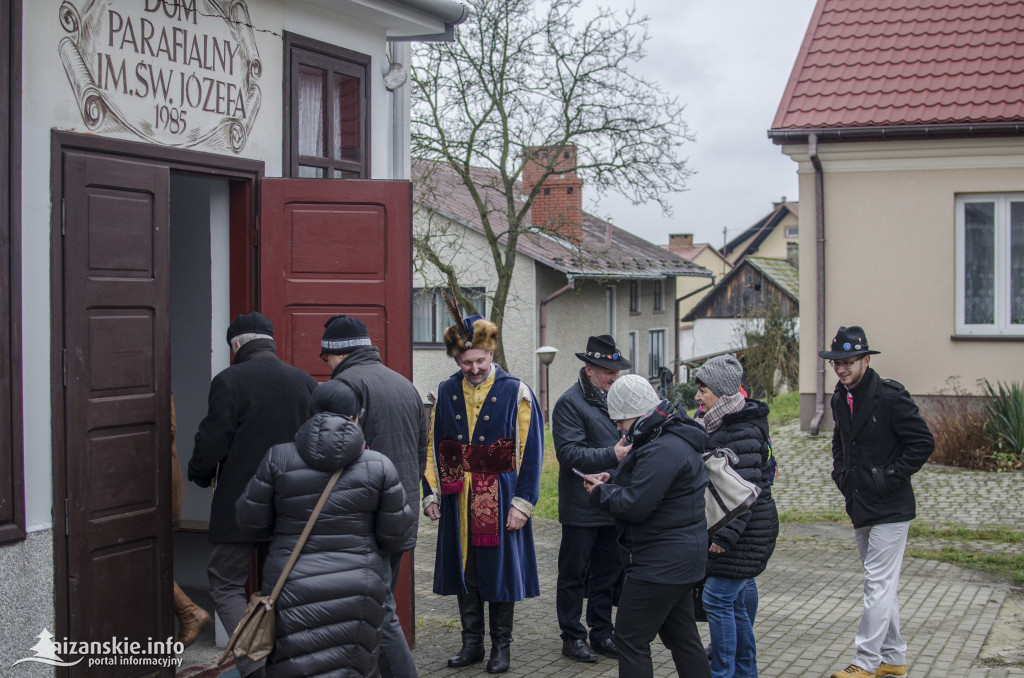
[(774, 246), (686, 284), (890, 256), (469, 250)]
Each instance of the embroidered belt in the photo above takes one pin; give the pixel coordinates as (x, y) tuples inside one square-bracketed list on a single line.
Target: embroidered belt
[(484, 462)]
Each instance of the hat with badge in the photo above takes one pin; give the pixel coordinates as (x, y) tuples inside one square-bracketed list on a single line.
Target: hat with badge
[(601, 351), (850, 342)]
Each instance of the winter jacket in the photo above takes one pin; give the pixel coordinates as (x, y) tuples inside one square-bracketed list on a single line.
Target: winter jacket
[(584, 439), (329, 613), (749, 540), (875, 451), (394, 422), (258, 402), (656, 497)]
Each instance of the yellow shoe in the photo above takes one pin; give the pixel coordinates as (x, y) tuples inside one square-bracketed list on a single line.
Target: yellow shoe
[(890, 670), (853, 671)]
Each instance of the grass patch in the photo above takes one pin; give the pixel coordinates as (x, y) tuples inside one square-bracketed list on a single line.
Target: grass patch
[(1008, 567), (825, 516), (547, 506), (784, 409), (995, 534)]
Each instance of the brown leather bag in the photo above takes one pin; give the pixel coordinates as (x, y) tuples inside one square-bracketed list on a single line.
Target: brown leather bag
[(254, 635)]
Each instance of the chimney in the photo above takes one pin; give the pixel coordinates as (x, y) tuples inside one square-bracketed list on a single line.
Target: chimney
[(558, 207), (679, 242), (793, 254)]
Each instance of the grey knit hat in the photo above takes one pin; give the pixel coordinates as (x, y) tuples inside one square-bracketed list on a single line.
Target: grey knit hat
[(631, 396), (721, 374)]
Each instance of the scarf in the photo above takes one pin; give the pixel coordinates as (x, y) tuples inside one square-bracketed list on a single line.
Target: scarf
[(712, 419)]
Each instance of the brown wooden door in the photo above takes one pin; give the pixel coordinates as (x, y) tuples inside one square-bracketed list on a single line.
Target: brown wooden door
[(340, 247), (117, 405)]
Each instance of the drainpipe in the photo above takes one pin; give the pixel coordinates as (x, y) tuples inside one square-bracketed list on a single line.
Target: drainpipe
[(544, 342), (819, 266)]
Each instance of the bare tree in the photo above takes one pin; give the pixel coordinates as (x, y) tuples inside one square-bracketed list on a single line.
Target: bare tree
[(523, 74), (772, 358)]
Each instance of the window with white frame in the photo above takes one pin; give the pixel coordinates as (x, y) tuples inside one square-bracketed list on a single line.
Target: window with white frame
[(634, 348), (609, 305), (430, 314), (656, 352), (990, 264)]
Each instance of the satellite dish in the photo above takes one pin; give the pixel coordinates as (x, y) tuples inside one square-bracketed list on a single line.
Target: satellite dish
[(396, 76)]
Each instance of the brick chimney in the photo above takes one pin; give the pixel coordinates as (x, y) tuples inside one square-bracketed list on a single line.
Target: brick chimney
[(679, 242), (558, 208)]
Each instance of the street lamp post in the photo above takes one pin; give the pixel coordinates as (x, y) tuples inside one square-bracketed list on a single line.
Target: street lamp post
[(546, 354)]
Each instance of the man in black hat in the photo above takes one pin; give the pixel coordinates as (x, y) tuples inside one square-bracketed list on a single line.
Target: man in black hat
[(587, 440), (256, 403), (394, 423), (879, 442)]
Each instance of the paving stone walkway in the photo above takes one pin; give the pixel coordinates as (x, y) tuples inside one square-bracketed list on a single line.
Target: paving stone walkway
[(811, 592)]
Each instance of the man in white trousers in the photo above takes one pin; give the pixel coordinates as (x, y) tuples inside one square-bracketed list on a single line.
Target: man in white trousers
[(879, 442)]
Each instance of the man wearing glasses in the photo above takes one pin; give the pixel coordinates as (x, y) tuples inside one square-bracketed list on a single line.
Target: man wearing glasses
[(394, 423), (879, 442)]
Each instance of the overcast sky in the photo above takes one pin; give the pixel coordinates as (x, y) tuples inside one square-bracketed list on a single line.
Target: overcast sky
[(728, 61)]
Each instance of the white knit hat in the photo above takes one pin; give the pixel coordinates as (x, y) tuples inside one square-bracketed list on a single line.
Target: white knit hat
[(631, 396)]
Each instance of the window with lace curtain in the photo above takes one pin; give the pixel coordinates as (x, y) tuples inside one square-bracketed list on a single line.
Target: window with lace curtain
[(430, 314), (990, 265), (327, 126)]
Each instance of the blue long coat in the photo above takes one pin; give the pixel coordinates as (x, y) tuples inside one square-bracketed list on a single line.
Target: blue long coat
[(507, 572)]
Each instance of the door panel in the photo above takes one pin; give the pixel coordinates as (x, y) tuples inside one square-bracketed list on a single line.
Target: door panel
[(340, 247), (337, 247), (117, 406)]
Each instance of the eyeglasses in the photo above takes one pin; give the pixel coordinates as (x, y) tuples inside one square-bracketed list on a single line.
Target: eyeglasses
[(323, 356), (844, 363)]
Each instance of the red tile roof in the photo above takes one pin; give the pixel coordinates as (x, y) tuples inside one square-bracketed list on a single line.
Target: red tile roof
[(882, 63)]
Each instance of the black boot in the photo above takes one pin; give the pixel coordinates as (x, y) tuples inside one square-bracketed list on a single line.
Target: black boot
[(471, 612), (501, 615)]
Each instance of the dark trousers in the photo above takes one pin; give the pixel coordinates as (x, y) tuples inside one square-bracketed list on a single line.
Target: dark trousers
[(228, 571), (395, 658), (665, 610), (581, 546)]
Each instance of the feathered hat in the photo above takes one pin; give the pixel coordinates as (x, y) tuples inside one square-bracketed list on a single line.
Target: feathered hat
[(472, 332)]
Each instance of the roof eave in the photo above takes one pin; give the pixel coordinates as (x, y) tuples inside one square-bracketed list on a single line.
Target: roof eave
[(892, 132)]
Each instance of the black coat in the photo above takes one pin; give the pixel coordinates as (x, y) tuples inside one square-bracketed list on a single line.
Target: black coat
[(584, 439), (329, 613), (749, 540), (656, 496), (394, 422), (256, 403), (875, 453)]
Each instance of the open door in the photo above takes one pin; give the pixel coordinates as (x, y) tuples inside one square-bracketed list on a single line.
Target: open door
[(339, 247), (116, 356)]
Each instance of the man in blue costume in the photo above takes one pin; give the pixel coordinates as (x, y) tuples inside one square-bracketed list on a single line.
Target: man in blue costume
[(482, 482)]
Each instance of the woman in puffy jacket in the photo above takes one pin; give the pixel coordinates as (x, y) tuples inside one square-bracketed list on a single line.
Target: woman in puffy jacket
[(739, 551), (329, 613)]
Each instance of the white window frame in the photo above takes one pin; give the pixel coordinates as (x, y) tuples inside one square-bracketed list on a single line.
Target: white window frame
[(792, 231), (634, 350), (441, 318), (1001, 325), (663, 331), (609, 304)]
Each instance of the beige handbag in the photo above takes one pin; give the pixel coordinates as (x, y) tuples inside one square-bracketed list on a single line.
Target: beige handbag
[(254, 636), (728, 495)]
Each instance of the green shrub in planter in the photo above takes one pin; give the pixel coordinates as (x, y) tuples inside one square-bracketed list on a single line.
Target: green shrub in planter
[(1005, 410)]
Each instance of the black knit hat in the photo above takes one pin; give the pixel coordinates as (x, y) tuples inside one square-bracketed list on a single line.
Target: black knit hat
[(250, 323), (343, 334), (850, 342), (337, 397)]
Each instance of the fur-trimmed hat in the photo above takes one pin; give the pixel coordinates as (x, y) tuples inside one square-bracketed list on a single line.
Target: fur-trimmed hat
[(473, 332)]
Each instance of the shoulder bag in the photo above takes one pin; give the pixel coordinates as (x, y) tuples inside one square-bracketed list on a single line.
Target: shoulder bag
[(728, 495), (254, 635)]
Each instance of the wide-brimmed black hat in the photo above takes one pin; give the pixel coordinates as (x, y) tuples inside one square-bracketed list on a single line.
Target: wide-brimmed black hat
[(601, 351), (850, 342)]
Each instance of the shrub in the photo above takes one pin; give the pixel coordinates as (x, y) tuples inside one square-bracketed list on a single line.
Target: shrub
[(682, 394), (959, 425), (1005, 410)]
